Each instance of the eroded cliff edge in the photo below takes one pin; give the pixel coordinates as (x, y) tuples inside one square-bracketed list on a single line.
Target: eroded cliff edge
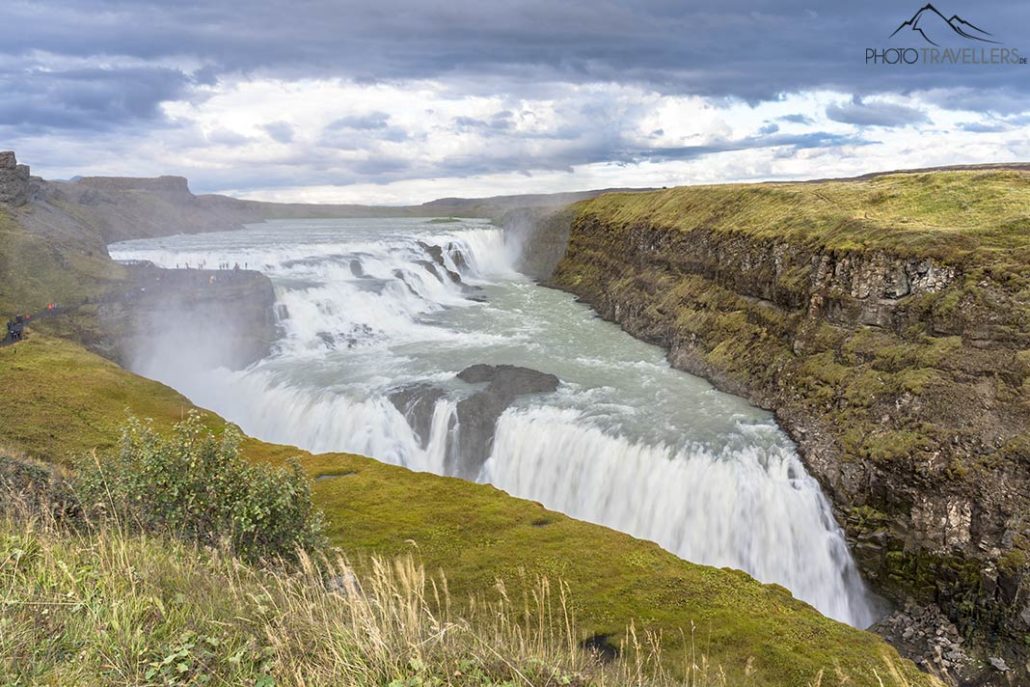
[(887, 322), (53, 250)]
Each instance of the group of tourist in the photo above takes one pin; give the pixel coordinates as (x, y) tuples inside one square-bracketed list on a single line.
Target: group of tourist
[(203, 265), (16, 325), (16, 328)]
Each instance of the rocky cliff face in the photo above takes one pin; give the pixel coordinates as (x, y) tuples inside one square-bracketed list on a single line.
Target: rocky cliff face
[(904, 379), (542, 235), (169, 185), (14, 180), (53, 238), (203, 319)]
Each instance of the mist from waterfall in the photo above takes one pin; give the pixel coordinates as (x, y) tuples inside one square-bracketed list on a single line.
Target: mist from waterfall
[(371, 306)]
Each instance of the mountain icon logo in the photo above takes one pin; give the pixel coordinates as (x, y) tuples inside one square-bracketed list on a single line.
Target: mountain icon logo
[(934, 27)]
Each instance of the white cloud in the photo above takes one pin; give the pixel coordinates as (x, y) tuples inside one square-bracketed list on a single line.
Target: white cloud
[(332, 140)]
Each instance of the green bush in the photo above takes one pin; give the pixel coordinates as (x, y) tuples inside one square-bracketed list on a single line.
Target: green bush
[(198, 488)]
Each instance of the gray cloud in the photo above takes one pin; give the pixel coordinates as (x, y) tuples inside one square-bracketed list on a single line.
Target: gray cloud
[(750, 49), (356, 132), (281, 132), (95, 68), (225, 137), (984, 127), (875, 113), (797, 119), (35, 98), (817, 139), (994, 101), (363, 122), (499, 122)]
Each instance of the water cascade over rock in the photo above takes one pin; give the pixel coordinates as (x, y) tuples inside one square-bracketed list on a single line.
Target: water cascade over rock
[(419, 345)]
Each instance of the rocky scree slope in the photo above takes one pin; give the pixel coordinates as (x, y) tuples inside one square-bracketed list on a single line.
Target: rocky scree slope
[(886, 320)]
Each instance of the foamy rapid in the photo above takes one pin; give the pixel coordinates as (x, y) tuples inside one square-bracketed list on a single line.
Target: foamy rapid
[(368, 307)]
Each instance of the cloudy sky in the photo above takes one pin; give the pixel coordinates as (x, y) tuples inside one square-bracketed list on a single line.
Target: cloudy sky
[(392, 101)]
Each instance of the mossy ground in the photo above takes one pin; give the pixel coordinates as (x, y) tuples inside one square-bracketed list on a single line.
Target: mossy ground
[(61, 401), (952, 215)]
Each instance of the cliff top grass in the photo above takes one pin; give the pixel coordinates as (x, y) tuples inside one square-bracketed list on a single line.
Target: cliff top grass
[(954, 215), (61, 400)]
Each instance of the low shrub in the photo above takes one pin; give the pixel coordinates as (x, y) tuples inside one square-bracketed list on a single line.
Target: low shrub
[(197, 487)]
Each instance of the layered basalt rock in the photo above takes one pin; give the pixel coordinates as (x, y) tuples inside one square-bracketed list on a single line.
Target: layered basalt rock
[(168, 185), (904, 379)]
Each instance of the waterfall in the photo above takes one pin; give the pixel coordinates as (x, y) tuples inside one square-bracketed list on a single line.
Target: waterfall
[(750, 506), (369, 307)]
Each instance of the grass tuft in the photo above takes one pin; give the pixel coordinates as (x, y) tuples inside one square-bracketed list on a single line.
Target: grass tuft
[(106, 607)]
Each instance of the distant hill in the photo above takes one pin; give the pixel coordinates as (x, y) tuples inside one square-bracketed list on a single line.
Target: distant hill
[(126, 207)]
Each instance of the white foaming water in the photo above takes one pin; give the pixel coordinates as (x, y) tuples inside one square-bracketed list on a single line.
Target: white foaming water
[(750, 506), (371, 306)]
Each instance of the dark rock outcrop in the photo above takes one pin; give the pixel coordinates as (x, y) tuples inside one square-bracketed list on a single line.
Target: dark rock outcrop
[(927, 636), (417, 403), (478, 414), (214, 318), (14, 180), (438, 265)]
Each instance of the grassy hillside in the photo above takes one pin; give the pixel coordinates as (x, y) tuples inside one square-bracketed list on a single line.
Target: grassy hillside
[(955, 215), (60, 401), (149, 610), (41, 267)]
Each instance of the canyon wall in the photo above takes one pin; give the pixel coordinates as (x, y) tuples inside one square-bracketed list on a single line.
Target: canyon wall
[(895, 355), (206, 318)]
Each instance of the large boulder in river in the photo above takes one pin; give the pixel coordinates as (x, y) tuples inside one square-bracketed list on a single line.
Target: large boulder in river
[(509, 379), (417, 403), (478, 414)]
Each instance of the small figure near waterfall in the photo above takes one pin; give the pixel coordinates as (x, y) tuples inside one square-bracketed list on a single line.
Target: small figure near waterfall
[(16, 328)]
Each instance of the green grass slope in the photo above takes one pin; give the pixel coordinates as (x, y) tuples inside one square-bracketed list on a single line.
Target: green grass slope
[(61, 400), (37, 267), (958, 216)]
